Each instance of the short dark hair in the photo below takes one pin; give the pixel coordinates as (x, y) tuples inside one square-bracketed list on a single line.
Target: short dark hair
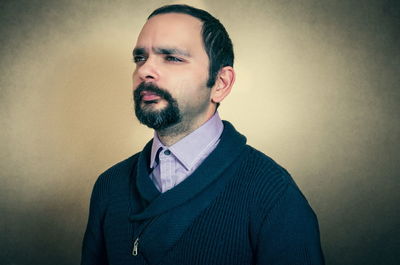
[(216, 40)]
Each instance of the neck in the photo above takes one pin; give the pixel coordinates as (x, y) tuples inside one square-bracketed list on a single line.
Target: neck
[(175, 133)]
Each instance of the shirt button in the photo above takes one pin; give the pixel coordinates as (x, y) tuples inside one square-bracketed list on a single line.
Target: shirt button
[(167, 152)]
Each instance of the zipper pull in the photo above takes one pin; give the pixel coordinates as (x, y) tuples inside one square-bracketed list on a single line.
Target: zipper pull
[(135, 247)]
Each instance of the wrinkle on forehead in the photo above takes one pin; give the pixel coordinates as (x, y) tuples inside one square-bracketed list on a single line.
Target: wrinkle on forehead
[(171, 26)]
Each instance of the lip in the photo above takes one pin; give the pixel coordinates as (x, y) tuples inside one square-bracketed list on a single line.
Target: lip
[(149, 96)]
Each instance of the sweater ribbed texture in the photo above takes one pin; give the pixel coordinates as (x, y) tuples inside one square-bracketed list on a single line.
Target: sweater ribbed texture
[(238, 207)]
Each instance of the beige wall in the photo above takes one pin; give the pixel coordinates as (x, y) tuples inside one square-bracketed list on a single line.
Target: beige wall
[(317, 89)]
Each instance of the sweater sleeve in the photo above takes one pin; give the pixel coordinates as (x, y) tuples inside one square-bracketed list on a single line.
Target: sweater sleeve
[(93, 248), (289, 233)]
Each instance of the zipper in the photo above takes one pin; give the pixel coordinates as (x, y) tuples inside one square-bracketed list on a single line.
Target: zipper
[(135, 247), (135, 250)]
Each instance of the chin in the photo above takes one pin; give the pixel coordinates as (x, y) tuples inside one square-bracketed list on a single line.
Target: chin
[(153, 105)]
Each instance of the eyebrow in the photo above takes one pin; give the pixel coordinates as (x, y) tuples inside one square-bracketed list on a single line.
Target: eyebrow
[(138, 51), (165, 51)]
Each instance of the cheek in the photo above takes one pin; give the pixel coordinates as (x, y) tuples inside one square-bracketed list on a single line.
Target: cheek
[(191, 92), (184, 84), (192, 77)]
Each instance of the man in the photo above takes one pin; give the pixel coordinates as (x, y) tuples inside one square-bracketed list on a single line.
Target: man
[(196, 193)]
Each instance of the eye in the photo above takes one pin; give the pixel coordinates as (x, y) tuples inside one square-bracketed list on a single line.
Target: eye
[(139, 58), (173, 59)]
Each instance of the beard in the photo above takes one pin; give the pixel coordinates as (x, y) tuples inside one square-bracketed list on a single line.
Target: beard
[(156, 119)]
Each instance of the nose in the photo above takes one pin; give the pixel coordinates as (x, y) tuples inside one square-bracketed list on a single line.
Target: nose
[(147, 71)]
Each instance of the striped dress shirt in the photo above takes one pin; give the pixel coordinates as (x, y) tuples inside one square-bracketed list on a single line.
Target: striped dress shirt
[(173, 164)]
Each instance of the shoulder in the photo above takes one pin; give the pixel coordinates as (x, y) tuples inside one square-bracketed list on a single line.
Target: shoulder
[(267, 180), (264, 168), (274, 193)]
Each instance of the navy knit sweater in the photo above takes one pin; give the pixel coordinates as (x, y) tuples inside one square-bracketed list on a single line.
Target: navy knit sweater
[(239, 207)]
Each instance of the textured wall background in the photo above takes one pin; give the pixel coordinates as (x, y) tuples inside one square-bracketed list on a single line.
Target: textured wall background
[(317, 90)]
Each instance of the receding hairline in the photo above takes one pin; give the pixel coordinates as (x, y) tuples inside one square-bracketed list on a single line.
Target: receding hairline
[(175, 13), (201, 23)]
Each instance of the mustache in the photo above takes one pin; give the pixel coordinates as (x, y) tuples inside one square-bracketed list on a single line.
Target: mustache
[(151, 88)]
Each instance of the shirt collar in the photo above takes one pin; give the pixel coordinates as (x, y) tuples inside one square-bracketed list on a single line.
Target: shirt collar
[(191, 148), (154, 149)]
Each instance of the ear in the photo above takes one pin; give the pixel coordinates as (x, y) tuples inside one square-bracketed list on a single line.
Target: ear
[(223, 84)]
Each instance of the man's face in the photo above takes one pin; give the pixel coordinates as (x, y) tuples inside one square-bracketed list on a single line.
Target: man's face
[(171, 72)]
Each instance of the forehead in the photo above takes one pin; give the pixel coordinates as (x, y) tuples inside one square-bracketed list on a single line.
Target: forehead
[(172, 29)]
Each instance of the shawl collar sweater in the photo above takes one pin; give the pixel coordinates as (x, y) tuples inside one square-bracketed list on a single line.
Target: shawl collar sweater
[(237, 207)]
